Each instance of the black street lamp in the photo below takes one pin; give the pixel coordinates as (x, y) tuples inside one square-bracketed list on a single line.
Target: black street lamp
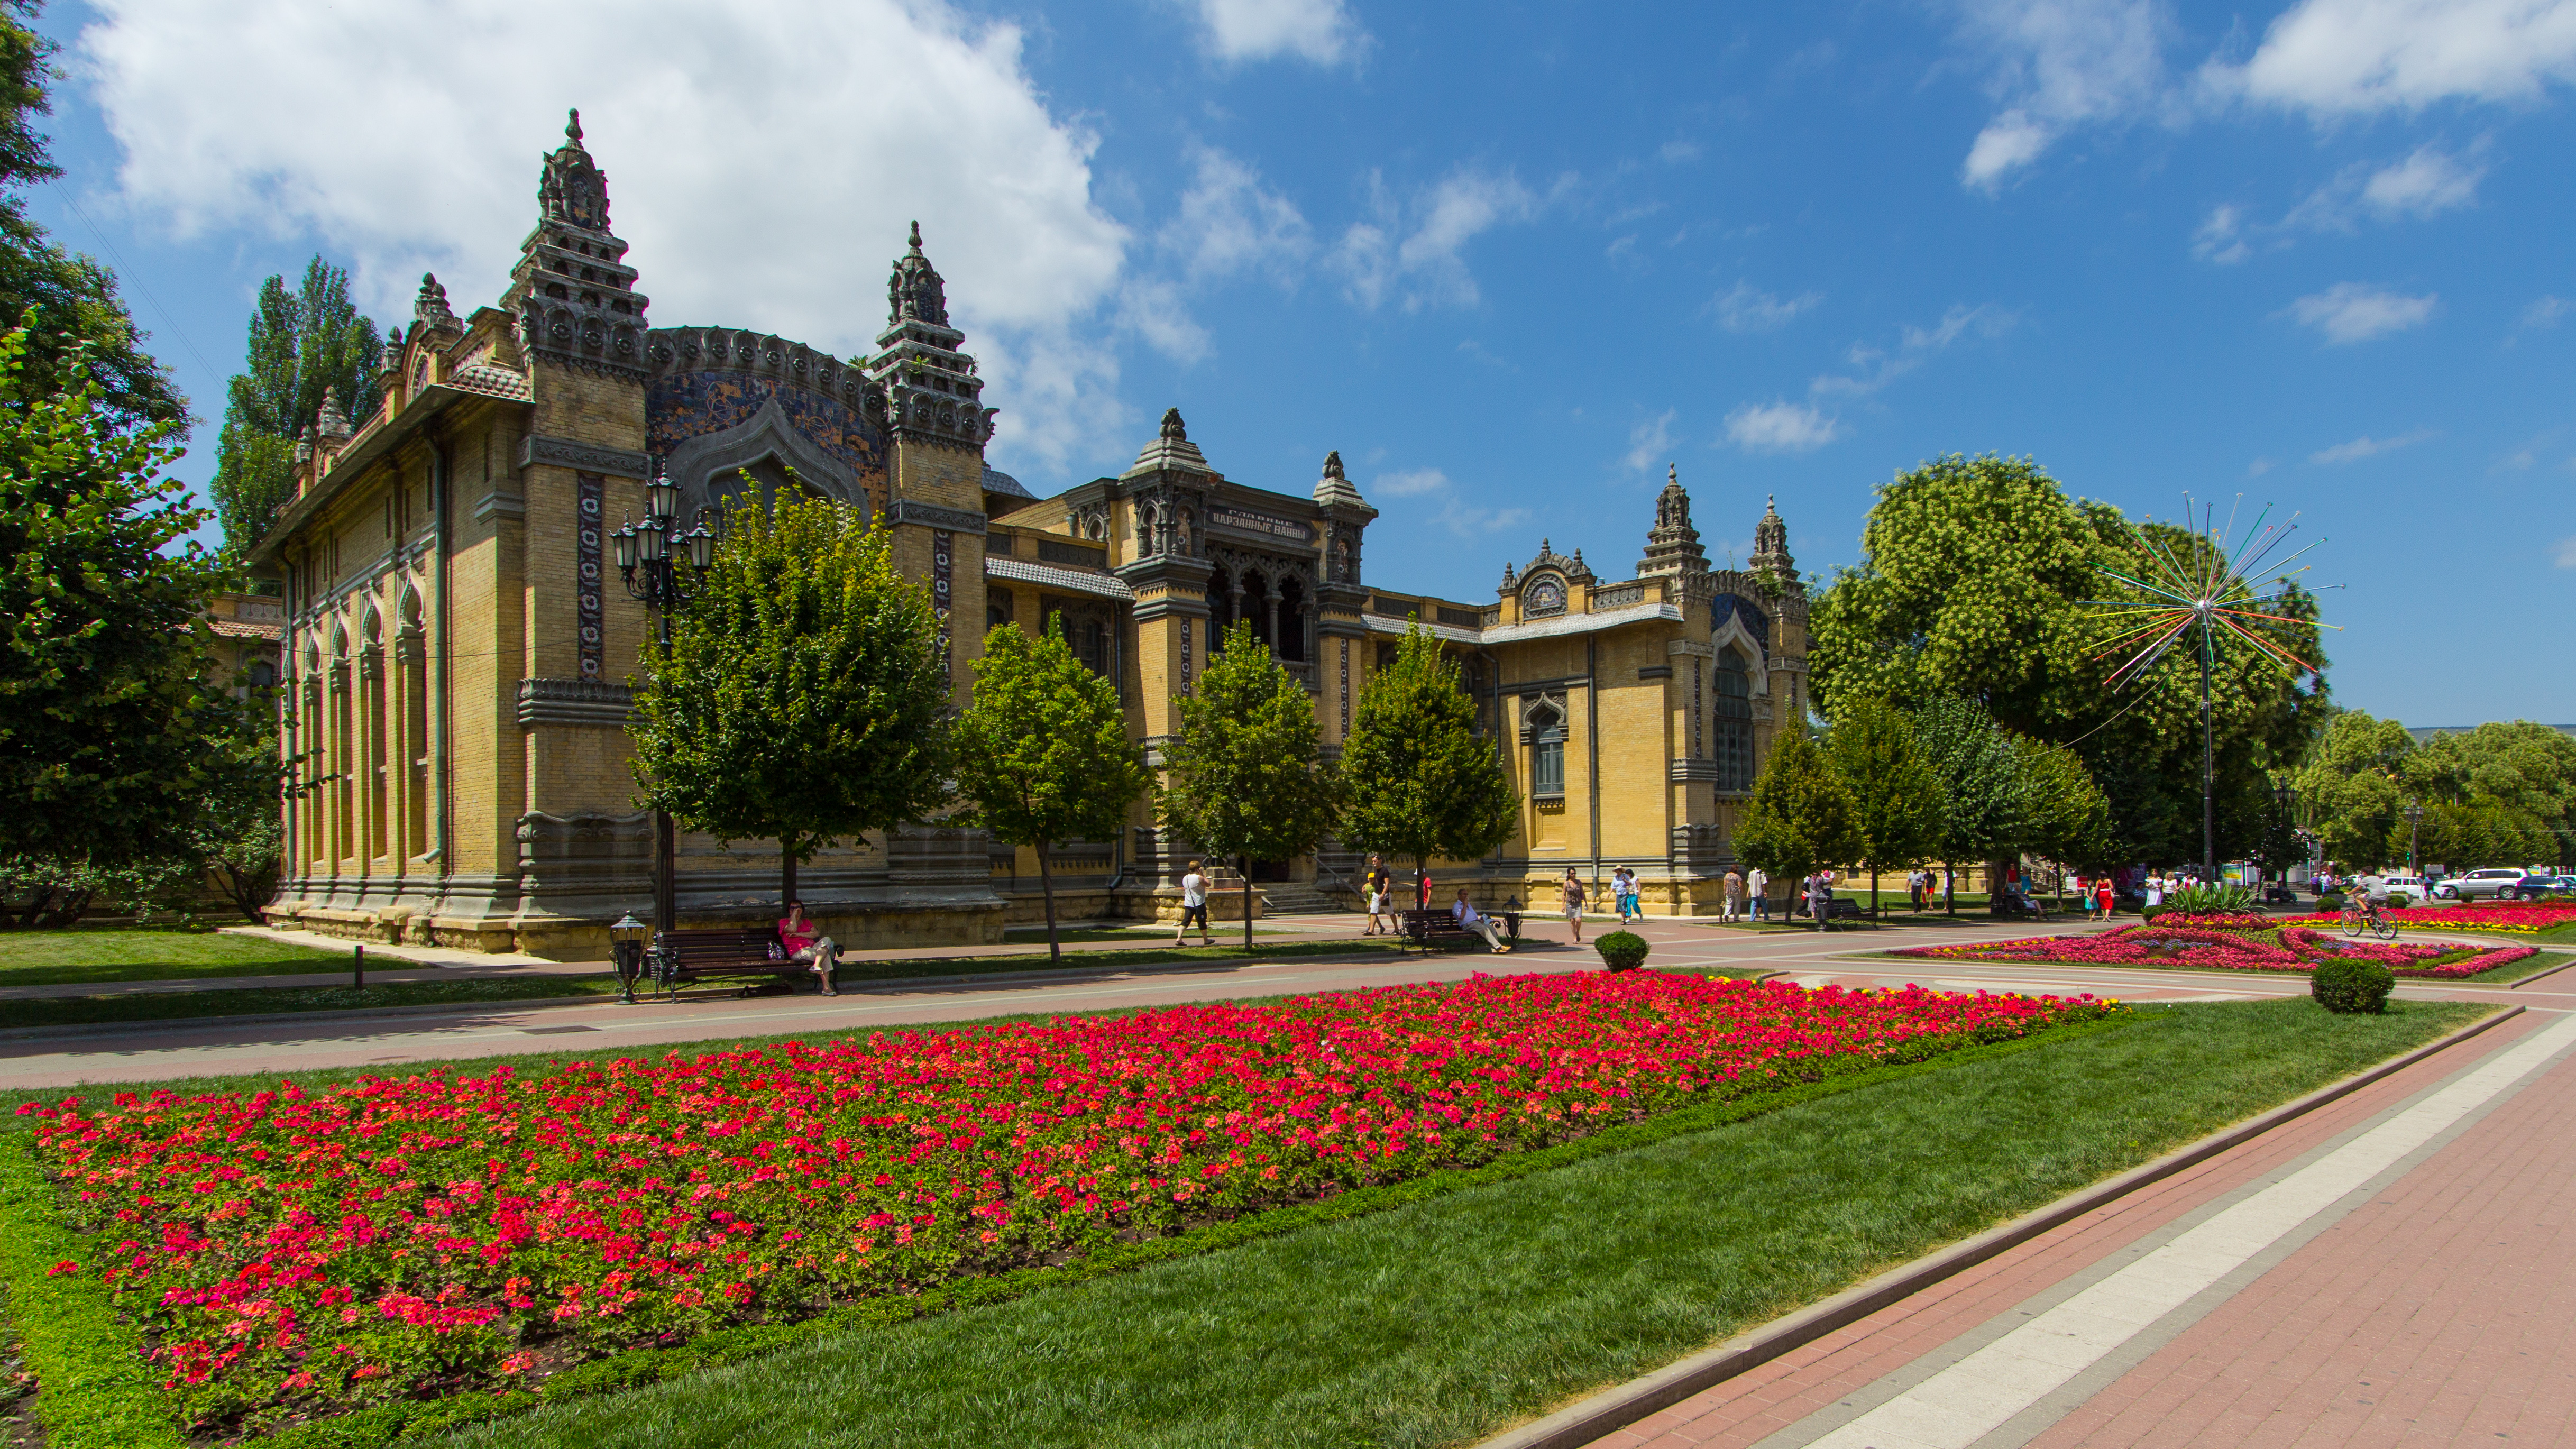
[(652, 553), (2414, 825)]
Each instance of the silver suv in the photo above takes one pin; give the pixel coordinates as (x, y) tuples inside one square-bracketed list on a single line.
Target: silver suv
[(2481, 885)]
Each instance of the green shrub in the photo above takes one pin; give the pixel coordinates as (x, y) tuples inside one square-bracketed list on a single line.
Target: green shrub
[(2330, 901), (2399, 900), (2352, 986), (1622, 950), (2212, 900)]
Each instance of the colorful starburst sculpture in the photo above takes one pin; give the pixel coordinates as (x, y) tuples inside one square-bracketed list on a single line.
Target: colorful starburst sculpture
[(2234, 592)]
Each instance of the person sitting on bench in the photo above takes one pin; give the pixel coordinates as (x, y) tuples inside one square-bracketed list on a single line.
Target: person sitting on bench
[(1471, 919), (803, 942)]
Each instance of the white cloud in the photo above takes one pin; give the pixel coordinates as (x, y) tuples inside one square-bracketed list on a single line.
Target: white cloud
[(1317, 30), (2351, 312), (2545, 313), (2426, 182), (1228, 223), (1780, 427), (1679, 151), (2258, 467), (2221, 238), (1417, 249), (1749, 309), (1876, 367), (1154, 310), (1440, 498), (2057, 63), (2367, 446), (1651, 441), (2564, 555), (731, 134), (2344, 57)]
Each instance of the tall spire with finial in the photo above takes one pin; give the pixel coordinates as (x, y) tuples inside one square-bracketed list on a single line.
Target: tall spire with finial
[(1771, 557), (929, 384), (573, 293), (1672, 547)]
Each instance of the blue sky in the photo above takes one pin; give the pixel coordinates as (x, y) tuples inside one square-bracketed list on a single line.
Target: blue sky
[(1512, 261)]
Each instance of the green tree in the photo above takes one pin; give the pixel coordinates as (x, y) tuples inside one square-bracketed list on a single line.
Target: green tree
[(2352, 787), (1042, 751), (107, 692), (801, 697), (1802, 817), (304, 347), (2064, 814), (1423, 782), (1240, 775), (1898, 794), (1972, 758), (73, 297)]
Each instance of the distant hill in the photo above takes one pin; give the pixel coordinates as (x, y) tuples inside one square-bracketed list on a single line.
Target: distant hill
[(2426, 732)]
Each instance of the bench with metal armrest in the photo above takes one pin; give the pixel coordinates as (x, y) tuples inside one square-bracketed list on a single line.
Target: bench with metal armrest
[(1426, 928), (695, 956)]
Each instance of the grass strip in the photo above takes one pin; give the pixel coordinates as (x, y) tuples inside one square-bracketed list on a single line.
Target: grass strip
[(725, 1346), (1468, 1309), (95, 1391), (2492, 976), (143, 953)]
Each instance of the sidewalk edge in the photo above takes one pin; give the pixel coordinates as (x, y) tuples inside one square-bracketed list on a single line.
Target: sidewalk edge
[(2566, 965), (1617, 1407)]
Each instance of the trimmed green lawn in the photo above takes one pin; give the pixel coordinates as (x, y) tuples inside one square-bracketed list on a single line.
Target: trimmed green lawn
[(1443, 1321), (147, 953)]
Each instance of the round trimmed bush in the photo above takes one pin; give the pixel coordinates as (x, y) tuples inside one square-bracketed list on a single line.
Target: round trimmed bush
[(1622, 950), (2360, 987)]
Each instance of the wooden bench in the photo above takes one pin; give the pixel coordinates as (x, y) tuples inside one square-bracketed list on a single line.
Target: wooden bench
[(1427, 928), (2019, 907), (691, 957), (1838, 910)]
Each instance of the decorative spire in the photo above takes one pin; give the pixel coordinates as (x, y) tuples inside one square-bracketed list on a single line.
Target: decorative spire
[(1771, 557), (572, 190), (430, 307), (1334, 488), (1172, 449), (331, 422), (1673, 545), (1173, 427), (1333, 464), (915, 293)]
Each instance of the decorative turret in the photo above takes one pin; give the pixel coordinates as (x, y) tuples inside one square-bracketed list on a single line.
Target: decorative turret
[(931, 391), (573, 293), (1346, 519), (1335, 487), (1771, 560), (1172, 449), (332, 422), (1672, 547), (1545, 587), (430, 308)]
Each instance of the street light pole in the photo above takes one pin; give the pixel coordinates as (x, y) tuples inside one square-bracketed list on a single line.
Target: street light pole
[(2414, 825), (651, 553)]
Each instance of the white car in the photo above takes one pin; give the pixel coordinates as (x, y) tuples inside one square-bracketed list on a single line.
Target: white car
[(2478, 885), (2413, 887)]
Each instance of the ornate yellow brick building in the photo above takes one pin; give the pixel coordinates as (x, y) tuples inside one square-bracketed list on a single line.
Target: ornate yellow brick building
[(457, 652)]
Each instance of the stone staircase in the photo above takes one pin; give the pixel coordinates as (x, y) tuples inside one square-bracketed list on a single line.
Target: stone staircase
[(1298, 898)]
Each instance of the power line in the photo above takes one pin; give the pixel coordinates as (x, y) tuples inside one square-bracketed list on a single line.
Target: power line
[(168, 318)]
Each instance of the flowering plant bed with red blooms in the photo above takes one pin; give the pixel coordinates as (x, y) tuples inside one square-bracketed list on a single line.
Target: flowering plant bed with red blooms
[(2490, 916), (292, 1253), (2287, 948)]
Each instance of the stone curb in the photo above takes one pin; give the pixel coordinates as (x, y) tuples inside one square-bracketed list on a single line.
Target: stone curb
[(2567, 965), (1616, 1408)]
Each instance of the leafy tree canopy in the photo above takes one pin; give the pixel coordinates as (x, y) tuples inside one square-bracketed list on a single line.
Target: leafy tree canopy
[(107, 689), (801, 697), (1042, 750), (1241, 777), (302, 345), (1802, 817), (2501, 794), (74, 299), (1421, 781), (1898, 794)]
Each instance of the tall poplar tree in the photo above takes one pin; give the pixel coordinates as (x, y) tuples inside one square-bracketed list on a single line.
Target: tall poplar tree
[(1042, 751), (302, 345), (1422, 781), (801, 698), (1898, 795), (1802, 817), (1242, 779)]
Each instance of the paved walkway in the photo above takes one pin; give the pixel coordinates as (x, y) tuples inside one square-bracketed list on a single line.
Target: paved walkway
[(2393, 1268)]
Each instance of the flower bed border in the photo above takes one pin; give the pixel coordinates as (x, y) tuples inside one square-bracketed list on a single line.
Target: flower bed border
[(2502, 954), (110, 1386)]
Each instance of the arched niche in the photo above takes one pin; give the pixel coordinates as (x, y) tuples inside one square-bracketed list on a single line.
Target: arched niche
[(711, 467)]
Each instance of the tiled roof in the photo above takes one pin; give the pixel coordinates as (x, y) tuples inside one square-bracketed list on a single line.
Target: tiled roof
[(997, 481), (238, 629), (1535, 629), (490, 381), (1074, 580)]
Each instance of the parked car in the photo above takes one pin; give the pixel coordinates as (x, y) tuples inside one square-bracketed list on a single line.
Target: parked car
[(2414, 887), (2485, 885), (2533, 887)]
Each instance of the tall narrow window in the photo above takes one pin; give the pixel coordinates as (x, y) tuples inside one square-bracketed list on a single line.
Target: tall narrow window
[(415, 744), (1547, 751), (379, 781), (1734, 721)]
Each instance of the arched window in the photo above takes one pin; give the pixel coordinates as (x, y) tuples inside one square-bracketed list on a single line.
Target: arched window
[(1734, 721), (1546, 728), (1292, 620)]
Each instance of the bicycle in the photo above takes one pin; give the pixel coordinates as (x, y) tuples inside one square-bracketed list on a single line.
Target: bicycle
[(2359, 916)]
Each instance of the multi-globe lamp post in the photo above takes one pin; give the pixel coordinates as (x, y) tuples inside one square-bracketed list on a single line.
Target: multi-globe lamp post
[(661, 562), (2215, 591)]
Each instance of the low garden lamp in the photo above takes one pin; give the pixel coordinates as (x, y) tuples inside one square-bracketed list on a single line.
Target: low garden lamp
[(626, 944)]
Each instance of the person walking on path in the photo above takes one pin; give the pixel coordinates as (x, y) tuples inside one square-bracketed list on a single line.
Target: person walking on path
[(2108, 897), (1377, 888), (2155, 891), (1820, 897), (803, 941), (1759, 883), (1471, 919), (1574, 903), (1194, 894), (1733, 907), (1422, 889), (1623, 885)]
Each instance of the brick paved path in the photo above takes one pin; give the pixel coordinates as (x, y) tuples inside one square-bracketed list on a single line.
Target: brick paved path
[(2432, 1305)]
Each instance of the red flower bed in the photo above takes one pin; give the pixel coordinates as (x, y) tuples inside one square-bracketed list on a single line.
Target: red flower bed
[(314, 1250), (2295, 949), (2519, 916)]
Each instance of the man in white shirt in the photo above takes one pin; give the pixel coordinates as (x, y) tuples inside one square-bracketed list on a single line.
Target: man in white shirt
[(1194, 889), (1760, 884), (1471, 919)]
